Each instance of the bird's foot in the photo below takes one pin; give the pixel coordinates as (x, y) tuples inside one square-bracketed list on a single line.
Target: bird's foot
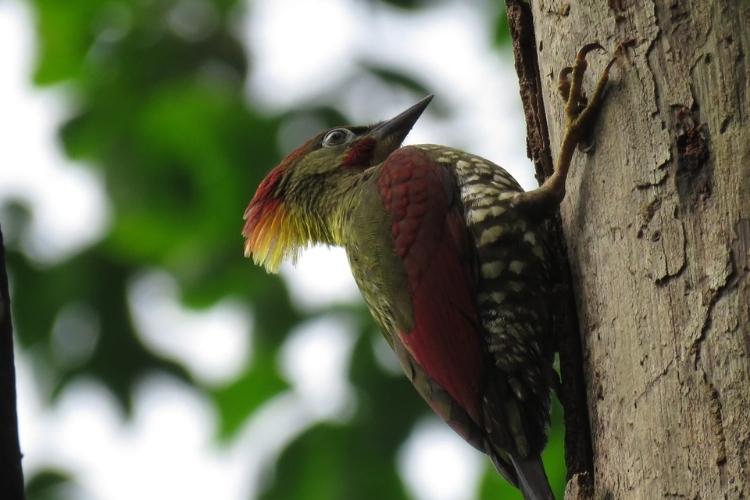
[(580, 113)]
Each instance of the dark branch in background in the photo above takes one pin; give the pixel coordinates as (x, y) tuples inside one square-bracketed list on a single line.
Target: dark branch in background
[(11, 474), (578, 451)]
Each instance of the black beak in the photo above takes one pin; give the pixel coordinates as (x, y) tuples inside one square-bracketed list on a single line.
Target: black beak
[(391, 133), (400, 125)]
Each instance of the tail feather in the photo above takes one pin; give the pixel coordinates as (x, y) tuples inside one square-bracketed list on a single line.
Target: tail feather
[(505, 468), (532, 479)]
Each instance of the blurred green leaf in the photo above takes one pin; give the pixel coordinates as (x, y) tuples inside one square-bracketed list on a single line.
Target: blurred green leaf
[(237, 401), (329, 463), (119, 359), (47, 484), (65, 36), (554, 454), (501, 30), (355, 459)]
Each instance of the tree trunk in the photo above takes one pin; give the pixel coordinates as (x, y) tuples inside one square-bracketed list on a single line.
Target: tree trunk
[(11, 475), (657, 225)]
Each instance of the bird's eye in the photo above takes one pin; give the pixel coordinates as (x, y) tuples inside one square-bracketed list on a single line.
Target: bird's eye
[(337, 137)]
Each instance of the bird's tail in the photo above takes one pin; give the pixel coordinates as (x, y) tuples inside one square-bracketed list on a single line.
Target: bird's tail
[(531, 478)]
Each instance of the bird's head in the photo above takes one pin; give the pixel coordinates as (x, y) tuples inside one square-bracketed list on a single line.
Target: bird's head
[(296, 203)]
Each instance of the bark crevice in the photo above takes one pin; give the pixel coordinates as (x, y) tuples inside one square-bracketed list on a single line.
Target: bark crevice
[(578, 450)]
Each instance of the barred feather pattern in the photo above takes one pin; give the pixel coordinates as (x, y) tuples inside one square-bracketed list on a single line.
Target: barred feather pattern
[(512, 294)]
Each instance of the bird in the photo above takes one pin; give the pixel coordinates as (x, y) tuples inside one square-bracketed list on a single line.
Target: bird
[(451, 257)]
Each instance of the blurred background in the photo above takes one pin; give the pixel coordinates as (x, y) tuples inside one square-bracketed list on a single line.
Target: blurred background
[(153, 361)]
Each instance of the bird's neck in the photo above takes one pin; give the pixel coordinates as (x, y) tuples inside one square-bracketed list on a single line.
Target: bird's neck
[(326, 216)]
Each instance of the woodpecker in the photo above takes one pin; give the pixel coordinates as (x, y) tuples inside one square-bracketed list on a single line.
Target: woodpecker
[(451, 257)]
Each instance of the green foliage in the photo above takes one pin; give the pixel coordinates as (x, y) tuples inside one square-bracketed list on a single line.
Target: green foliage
[(119, 358), (355, 459), (237, 401), (48, 484), (158, 109), (500, 27)]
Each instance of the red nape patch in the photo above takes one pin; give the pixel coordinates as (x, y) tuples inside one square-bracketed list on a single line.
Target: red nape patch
[(264, 202), (360, 153), (266, 198)]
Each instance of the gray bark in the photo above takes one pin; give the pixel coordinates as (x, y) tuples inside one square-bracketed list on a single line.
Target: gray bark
[(657, 223)]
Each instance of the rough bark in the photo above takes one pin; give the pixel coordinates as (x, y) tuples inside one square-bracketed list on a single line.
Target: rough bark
[(11, 476), (657, 224), (572, 389)]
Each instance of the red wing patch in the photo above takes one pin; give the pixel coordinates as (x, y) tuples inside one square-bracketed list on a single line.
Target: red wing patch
[(429, 234)]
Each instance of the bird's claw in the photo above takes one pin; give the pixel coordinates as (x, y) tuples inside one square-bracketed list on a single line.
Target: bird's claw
[(583, 51), (563, 83), (578, 110)]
